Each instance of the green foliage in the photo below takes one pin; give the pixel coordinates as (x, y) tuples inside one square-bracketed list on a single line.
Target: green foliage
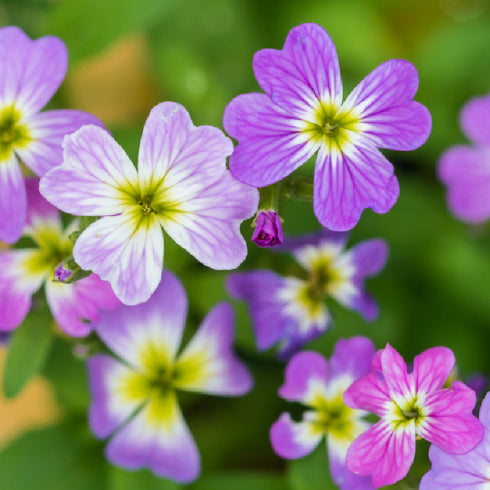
[(240, 481)]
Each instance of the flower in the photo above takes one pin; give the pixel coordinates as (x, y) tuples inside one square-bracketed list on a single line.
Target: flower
[(319, 385), (134, 395), (302, 113), (292, 310), (465, 170), (181, 184), (30, 73), (410, 405), (268, 230), (23, 271), (470, 470)]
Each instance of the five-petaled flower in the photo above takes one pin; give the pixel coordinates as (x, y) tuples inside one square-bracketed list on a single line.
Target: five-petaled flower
[(409, 405), (302, 113), (22, 271), (319, 385), (181, 184), (292, 310), (30, 73), (134, 396)]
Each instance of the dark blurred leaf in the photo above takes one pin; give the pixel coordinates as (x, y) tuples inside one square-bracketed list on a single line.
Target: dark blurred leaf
[(28, 349), (120, 479), (240, 481)]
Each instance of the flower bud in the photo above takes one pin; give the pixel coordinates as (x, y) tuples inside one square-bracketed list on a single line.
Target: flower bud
[(268, 230)]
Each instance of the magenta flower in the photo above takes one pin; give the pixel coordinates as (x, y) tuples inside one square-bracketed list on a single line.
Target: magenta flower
[(462, 471), (302, 113), (181, 184), (410, 405), (292, 310), (319, 385), (134, 394), (268, 230), (466, 169), (30, 73), (22, 272)]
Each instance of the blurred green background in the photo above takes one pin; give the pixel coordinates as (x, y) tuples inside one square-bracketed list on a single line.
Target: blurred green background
[(128, 55)]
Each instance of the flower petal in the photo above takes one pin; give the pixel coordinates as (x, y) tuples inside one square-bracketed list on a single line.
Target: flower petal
[(475, 120), (400, 385), (485, 412), (32, 71), (383, 102), (159, 439), (39, 211), (208, 364), (159, 322), (304, 72), (94, 170), (270, 144), (347, 183), (293, 440), (352, 356), (47, 130), (126, 251), (432, 368), (369, 257), (368, 393)]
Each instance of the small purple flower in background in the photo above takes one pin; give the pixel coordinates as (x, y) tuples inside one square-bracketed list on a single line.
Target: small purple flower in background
[(134, 395), (470, 470), (30, 73), (181, 184), (302, 113), (23, 271), (466, 169), (268, 230), (292, 311), (410, 405), (319, 385)]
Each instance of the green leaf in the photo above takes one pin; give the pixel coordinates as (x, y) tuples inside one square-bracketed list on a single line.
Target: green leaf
[(28, 350), (120, 479), (241, 481)]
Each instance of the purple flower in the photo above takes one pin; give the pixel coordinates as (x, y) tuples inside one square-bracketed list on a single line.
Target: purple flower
[(268, 230), (181, 184), (23, 271), (410, 405), (302, 113), (470, 470), (134, 395), (30, 73), (466, 169), (291, 310), (319, 385), (62, 274)]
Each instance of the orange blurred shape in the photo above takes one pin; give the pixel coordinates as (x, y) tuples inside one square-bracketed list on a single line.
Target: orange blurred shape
[(34, 407), (116, 84)]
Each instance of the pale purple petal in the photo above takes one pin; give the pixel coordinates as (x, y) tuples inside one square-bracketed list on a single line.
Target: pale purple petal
[(47, 130), (352, 357), (369, 257), (151, 441), (296, 244), (12, 200), (76, 306), (385, 454), (39, 211), (305, 72), (347, 183), (293, 440), (368, 393), (383, 102), (303, 369), (94, 170), (32, 71), (400, 385), (270, 145), (475, 120), (485, 412), (126, 251), (126, 330), (208, 364), (432, 368)]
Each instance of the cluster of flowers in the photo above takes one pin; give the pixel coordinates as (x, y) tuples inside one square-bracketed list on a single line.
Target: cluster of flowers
[(110, 276)]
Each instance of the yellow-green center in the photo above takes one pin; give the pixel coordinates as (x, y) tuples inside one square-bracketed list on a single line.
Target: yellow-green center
[(13, 134), (408, 411)]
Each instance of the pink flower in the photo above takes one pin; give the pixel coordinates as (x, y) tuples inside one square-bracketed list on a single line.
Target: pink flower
[(410, 405)]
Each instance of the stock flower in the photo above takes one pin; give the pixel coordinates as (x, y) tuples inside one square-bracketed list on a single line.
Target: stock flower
[(268, 230), (23, 271), (134, 395), (319, 385), (30, 73), (302, 113), (291, 310), (470, 470), (181, 184), (410, 405), (465, 170)]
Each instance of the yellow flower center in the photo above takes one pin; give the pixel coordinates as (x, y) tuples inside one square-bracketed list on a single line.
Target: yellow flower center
[(13, 134)]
